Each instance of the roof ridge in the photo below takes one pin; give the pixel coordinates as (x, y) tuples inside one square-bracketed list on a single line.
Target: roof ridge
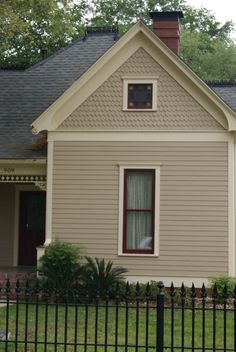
[(91, 30)]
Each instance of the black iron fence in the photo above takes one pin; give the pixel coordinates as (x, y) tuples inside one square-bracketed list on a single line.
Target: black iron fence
[(133, 318)]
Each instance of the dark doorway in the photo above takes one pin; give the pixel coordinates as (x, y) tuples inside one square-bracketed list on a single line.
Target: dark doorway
[(31, 226)]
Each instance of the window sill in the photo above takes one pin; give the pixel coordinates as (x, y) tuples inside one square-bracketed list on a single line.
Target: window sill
[(131, 110), (154, 255)]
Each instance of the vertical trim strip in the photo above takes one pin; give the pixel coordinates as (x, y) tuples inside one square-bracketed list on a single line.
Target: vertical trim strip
[(231, 212), (16, 227), (48, 235)]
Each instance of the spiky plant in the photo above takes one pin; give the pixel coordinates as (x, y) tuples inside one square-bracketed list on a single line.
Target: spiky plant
[(103, 275)]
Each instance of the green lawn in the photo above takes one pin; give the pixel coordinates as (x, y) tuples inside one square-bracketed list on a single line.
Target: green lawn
[(140, 334)]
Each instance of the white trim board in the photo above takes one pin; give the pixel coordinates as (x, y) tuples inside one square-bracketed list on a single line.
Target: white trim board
[(48, 228), (141, 136), (231, 209)]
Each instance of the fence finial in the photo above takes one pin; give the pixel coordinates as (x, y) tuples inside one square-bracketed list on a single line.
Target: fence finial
[(160, 285)]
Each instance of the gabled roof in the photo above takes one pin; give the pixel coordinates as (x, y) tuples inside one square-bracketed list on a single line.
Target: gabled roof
[(24, 95), (138, 36)]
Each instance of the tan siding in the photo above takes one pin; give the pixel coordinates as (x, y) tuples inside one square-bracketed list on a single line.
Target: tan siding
[(7, 201), (193, 203), (176, 109)]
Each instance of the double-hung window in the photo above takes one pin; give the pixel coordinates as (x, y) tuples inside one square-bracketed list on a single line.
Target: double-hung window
[(140, 208)]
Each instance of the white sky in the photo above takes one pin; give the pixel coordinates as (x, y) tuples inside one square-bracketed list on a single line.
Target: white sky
[(223, 10)]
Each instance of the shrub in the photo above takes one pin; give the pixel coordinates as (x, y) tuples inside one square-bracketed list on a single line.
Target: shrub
[(60, 264), (220, 283), (99, 274)]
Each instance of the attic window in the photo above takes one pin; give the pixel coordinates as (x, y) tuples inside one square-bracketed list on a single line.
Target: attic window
[(139, 95)]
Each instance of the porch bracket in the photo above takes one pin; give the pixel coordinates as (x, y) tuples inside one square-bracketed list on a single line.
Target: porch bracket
[(41, 184)]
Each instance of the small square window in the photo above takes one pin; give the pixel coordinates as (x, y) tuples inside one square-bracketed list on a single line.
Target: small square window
[(139, 94)]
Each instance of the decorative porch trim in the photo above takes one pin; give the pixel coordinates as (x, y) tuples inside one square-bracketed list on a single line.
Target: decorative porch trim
[(39, 181), (41, 184)]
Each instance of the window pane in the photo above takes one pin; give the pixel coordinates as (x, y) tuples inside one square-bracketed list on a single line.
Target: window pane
[(139, 230), (140, 96), (139, 190)]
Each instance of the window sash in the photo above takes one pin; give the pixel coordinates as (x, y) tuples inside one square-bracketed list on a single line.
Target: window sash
[(139, 211)]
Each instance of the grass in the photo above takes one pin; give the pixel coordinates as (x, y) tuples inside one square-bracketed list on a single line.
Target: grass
[(65, 329)]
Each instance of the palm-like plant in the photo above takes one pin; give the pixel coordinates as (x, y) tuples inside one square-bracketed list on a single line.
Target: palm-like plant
[(102, 275)]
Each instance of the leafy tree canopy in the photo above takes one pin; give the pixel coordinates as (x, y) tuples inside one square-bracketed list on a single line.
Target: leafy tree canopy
[(28, 26)]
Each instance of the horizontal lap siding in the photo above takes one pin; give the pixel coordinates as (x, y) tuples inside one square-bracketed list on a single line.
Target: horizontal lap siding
[(193, 203)]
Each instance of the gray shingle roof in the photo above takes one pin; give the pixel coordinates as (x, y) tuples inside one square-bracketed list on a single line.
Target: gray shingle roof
[(227, 92), (24, 95)]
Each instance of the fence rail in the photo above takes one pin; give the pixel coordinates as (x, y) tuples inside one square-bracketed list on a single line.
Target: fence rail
[(34, 318)]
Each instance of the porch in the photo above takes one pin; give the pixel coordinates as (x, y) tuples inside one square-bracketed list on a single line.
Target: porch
[(22, 216)]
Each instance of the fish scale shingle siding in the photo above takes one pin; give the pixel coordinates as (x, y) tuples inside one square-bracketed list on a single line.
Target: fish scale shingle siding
[(193, 203), (176, 109)]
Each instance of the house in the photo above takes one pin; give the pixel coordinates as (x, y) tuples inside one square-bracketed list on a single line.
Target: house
[(132, 156)]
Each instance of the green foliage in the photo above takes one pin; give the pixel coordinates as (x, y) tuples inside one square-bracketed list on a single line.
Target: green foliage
[(102, 275), (220, 283), (60, 265), (213, 59), (27, 26), (205, 44)]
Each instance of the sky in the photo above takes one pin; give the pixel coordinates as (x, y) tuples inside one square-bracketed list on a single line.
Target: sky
[(223, 10)]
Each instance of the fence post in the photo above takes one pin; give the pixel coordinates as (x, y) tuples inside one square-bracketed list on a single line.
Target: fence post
[(160, 317)]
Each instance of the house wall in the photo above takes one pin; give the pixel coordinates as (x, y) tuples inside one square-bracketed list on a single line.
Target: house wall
[(7, 211), (193, 203)]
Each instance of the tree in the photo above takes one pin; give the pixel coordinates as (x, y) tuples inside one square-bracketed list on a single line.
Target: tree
[(28, 26), (126, 12), (205, 44), (213, 59)]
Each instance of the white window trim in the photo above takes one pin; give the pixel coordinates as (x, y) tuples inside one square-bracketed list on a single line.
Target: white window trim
[(126, 82), (122, 168)]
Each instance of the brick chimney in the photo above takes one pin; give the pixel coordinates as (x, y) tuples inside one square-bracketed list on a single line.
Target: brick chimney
[(167, 27)]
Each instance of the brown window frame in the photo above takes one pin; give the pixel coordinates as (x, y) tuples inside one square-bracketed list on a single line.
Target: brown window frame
[(140, 107), (125, 212)]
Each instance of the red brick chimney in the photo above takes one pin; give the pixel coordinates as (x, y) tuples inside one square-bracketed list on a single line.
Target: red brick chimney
[(167, 27)]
